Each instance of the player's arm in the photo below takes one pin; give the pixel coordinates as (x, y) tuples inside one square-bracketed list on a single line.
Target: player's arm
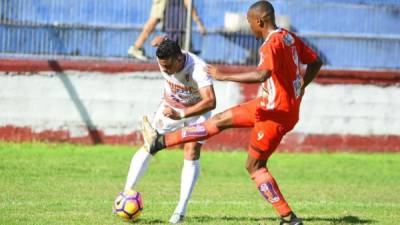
[(312, 71), (157, 40), (207, 103), (248, 77)]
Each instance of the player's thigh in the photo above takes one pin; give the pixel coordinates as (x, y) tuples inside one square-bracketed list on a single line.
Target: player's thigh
[(265, 138), (164, 124), (192, 150), (243, 115)]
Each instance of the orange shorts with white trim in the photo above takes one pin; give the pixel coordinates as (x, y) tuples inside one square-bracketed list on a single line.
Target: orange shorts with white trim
[(268, 128)]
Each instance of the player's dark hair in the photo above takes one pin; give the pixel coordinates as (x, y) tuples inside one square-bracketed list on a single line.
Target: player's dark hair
[(265, 10), (168, 49)]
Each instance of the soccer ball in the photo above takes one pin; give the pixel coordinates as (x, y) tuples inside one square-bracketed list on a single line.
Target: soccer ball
[(128, 205)]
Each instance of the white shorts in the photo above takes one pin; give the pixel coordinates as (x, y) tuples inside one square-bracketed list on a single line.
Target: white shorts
[(158, 8), (164, 124)]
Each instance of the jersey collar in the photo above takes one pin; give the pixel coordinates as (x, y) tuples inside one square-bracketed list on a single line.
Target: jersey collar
[(272, 32)]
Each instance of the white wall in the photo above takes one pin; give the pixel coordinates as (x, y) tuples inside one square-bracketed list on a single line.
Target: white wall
[(71, 101), (115, 103)]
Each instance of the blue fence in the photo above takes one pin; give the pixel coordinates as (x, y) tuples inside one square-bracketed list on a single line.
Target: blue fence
[(347, 33)]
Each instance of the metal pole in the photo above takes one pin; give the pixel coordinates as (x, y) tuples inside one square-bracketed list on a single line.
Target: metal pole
[(188, 35)]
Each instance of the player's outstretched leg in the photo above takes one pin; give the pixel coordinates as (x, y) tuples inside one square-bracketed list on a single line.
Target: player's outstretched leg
[(155, 142)]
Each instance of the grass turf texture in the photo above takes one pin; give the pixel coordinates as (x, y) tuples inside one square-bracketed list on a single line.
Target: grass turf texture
[(68, 184)]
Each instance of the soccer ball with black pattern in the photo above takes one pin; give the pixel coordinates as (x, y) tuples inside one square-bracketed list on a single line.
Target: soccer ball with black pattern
[(128, 205)]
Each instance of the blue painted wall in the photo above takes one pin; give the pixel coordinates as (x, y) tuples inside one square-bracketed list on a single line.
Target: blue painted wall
[(103, 28)]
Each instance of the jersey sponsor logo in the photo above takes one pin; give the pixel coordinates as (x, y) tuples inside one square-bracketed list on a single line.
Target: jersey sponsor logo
[(288, 40), (271, 93), (269, 193), (176, 88), (298, 82), (297, 85), (197, 130), (185, 92)]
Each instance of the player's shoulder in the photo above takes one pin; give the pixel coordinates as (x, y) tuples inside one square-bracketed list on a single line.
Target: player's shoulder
[(196, 63), (195, 60), (282, 38)]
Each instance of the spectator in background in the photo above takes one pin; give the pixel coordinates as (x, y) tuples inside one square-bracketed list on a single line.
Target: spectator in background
[(173, 14), (175, 20), (156, 16)]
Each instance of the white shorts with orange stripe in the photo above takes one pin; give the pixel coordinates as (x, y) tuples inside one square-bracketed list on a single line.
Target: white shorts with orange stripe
[(164, 124)]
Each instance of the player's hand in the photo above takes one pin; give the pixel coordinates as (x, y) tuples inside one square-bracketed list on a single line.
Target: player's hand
[(214, 72), (260, 114), (157, 41), (171, 113)]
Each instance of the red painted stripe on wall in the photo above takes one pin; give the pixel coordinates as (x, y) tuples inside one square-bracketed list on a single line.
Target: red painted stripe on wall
[(293, 142)]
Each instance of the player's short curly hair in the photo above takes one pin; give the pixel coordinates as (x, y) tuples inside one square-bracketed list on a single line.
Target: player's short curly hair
[(168, 49)]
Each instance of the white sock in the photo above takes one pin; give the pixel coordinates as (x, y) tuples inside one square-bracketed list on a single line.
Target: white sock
[(139, 164), (189, 177)]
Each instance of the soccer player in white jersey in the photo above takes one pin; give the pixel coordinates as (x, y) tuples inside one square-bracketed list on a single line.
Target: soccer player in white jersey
[(188, 99)]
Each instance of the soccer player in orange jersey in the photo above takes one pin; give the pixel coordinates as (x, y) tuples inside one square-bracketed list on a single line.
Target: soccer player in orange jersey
[(271, 115)]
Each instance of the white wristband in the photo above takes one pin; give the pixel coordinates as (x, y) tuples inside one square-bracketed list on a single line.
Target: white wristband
[(182, 114)]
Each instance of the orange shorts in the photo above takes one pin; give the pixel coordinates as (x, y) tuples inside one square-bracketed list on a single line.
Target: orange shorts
[(267, 132)]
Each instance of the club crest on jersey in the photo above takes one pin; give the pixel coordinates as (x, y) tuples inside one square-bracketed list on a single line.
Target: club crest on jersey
[(288, 40), (197, 130)]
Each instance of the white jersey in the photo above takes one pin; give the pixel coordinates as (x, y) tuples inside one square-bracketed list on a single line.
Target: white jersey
[(182, 88)]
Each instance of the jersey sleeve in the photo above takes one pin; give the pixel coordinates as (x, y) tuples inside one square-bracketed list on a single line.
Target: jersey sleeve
[(306, 54), (201, 77), (267, 57)]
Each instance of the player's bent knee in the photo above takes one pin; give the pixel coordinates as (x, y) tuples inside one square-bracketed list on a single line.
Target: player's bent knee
[(192, 151), (253, 164), (222, 120)]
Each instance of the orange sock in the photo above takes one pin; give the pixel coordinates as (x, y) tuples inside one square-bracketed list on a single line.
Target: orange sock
[(269, 189), (197, 132)]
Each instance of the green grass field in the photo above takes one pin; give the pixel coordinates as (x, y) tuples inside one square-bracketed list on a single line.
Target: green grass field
[(67, 184)]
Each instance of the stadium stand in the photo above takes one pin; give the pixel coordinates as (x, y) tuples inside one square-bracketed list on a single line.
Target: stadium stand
[(366, 31)]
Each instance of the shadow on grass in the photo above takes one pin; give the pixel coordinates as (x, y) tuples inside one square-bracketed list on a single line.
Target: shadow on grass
[(342, 220), (150, 221), (331, 220)]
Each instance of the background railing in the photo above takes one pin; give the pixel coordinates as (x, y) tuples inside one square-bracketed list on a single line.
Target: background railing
[(347, 33)]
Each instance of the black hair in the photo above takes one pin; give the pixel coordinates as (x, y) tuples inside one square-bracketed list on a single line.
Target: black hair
[(265, 10), (168, 49)]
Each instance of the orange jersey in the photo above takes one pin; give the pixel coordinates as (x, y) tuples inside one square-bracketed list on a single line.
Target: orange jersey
[(281, 53)]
